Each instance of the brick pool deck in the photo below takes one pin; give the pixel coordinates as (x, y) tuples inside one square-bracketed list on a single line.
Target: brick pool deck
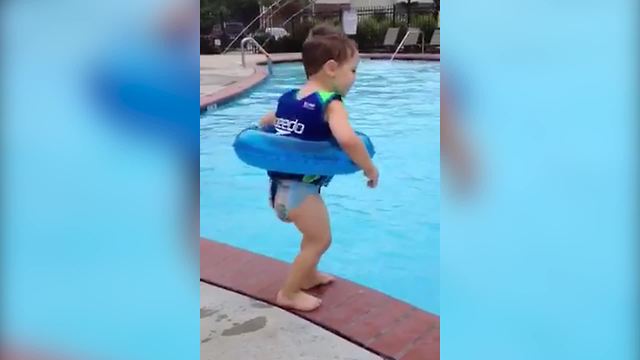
[(377, 322)]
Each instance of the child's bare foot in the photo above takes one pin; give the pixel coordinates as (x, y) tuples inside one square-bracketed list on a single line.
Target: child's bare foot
[(318, 279), (298, 301)]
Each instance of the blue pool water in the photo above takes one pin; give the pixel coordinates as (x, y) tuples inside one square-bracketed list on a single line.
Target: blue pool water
[(386, 238)]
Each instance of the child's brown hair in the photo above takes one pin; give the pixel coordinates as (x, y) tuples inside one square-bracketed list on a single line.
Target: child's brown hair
[(319, 49)]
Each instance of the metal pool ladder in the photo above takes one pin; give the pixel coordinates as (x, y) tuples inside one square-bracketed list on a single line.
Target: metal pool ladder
[(410, 31), (249, 39)]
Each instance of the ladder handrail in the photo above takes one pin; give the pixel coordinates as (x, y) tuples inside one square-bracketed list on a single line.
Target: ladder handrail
[(260, 48), (405, 38), (277, 2)]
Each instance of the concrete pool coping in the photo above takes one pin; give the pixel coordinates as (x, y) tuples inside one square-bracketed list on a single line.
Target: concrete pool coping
[(229, 321), (260, 73), (370, 319)]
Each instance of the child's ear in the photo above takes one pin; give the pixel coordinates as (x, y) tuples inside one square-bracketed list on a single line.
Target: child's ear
[(331, 67)]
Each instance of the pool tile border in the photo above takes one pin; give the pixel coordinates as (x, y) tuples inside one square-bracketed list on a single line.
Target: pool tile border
[(232, 91), (377, 322)]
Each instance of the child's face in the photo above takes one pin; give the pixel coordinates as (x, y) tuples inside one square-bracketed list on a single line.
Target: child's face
[(344, 75)]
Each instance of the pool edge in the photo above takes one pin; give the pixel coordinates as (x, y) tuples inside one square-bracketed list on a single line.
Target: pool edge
[(232, 91), (375, 321)]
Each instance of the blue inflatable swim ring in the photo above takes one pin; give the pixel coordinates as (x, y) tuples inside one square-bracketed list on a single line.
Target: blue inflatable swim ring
[(273, 152)]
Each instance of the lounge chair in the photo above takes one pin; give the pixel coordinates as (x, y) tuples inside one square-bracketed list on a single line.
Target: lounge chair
[(391, 36), (435, 40), (390, 39), (411, 38)]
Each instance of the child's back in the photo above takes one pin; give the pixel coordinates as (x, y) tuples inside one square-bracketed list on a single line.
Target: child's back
[(303, 117)]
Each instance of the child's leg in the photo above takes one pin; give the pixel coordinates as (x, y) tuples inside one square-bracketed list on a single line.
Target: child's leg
[(312, 219), (316, 278)]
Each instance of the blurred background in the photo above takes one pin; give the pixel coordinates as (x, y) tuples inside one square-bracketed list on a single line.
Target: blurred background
[(99, 185), (540, 259), (99, 188)]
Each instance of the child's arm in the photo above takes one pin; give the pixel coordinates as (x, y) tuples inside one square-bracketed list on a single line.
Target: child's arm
[(349, 141), (268, 119)]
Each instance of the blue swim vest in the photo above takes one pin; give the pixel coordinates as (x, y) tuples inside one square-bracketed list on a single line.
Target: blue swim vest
[(299, 145)]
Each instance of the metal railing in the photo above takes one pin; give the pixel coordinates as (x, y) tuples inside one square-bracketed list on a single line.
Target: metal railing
[(405, 39), (253, 41), (269, 8)]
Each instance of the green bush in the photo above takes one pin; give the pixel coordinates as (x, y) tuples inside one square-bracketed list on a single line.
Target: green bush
[(371, 32), (427, 24), (380, 15)]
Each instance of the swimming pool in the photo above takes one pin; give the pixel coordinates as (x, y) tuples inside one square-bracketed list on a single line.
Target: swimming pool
[(386, 238)]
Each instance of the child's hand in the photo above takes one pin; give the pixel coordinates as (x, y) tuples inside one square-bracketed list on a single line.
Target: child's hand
[(372, 175), (268, 119)]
